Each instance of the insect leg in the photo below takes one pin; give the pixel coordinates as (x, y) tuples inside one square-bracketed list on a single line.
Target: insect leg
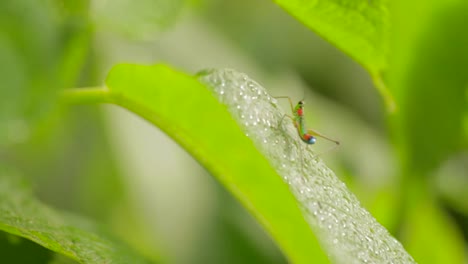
[(316, 133), (289, 99)]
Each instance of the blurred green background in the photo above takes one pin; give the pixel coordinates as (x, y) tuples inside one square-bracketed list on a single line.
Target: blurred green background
[(408, 168)]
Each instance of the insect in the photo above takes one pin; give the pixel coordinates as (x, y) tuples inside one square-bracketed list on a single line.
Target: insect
[(308, 136)]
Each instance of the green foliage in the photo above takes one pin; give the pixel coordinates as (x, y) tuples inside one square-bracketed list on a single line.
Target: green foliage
[(144, 91), (23, 215), (415, 53), (424, 215), (165, 97), (25, 67), (333, 213), (429, 78), (430, 82), (359, 28)]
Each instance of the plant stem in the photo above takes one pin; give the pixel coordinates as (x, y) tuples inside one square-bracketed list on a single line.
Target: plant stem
[(386, 94), (87, 95)]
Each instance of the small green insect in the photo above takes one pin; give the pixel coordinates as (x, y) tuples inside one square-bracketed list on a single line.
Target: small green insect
[(306, 135)]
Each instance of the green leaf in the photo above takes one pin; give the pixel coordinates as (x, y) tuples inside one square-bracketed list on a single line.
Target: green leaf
[(427, 222), (19, 250), (358, 28), (22, 215), (315, 200), (27, 34), (188, 112), (429, 78), (348, 233), (39, 55)]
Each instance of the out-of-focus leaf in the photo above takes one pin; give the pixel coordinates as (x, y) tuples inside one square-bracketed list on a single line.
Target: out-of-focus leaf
[(39, 54), (142, 18), (27, 40), (61, 259), (72, 7), (430, 235), (22, 215), (429, 76), (359, 28), (18, 250), (452, 182), (236, 237)]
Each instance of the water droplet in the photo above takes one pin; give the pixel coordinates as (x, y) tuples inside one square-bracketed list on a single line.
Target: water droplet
[(298, 165)]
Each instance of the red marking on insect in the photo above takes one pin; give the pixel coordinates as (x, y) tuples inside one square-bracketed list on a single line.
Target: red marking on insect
[(300, 112)]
